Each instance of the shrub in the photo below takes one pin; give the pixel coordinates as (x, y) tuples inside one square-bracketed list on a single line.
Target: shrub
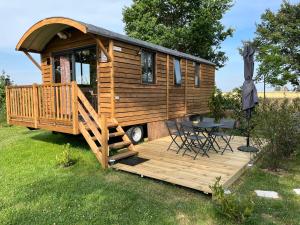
[(66, 158), (233, 207), (216, 104), (277, 122), (4, 80)]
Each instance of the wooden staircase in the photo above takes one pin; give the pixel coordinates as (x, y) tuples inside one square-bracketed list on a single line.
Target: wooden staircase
[(97, 131)]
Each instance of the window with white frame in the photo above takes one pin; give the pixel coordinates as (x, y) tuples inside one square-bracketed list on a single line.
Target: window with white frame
[(177, 72)]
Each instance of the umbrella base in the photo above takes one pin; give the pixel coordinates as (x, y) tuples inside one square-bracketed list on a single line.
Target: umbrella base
[(252, 150), (248, 149)]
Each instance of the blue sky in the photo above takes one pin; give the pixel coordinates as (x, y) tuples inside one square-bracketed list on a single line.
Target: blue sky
[(17, 16)]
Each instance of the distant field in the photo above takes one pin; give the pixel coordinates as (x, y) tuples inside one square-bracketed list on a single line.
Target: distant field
[(280, 94)]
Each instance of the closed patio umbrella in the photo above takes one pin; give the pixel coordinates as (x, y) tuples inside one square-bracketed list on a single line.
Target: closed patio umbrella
[(249, 92)]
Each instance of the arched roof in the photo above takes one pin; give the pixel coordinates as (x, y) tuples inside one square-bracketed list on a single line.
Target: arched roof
[(38, 36)]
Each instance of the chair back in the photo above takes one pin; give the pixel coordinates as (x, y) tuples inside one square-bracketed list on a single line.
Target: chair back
[(172, 127), (187, 127), (227, 123), (208, 120)]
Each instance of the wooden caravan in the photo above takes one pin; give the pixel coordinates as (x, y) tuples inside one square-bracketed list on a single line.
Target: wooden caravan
[(100, 84)]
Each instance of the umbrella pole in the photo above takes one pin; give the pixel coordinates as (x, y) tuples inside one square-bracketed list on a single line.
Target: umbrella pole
[(248, 125), (247, 147)]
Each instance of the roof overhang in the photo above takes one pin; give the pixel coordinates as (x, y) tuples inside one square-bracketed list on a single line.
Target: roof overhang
[(37, 37)]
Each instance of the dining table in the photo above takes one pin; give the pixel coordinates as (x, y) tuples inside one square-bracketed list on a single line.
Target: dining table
[(207, 129)]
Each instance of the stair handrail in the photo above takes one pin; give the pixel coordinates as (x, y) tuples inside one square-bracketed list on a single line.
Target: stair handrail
[(90, 108)]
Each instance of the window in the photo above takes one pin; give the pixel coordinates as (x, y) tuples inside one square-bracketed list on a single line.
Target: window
[(177, 72), (148, 68), (85, 66), (78, 65), (197, 75)]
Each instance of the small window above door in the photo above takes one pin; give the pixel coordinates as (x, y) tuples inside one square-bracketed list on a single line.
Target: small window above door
[(148, 67)]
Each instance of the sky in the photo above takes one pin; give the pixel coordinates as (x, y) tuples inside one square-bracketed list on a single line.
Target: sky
[(17, 16)]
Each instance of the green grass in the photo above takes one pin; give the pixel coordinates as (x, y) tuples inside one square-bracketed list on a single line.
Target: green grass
[(34, 190)]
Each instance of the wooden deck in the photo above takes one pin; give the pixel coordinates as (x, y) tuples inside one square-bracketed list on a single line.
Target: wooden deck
[(184, 171)]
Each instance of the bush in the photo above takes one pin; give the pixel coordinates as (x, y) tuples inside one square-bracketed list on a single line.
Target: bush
[(4, 80), (229, 105), (277, 122), (216, 104), (233, 207), (66, 158)]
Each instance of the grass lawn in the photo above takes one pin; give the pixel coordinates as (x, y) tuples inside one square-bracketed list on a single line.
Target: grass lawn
[(33, 190)]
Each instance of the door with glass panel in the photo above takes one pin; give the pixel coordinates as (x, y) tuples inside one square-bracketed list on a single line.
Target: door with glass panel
[(78, 65)]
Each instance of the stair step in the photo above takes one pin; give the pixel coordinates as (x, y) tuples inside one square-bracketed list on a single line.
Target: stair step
[(119, 145), (122, 155), (111, 135), (109, 125), (116, 134)]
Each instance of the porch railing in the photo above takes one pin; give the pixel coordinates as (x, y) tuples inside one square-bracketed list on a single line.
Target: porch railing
[(43, 105)]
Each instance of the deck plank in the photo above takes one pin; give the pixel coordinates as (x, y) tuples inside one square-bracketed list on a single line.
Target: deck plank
[(183, 170)]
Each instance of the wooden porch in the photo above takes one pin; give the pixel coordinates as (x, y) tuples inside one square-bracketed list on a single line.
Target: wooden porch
[(64, 108), (184, 171)]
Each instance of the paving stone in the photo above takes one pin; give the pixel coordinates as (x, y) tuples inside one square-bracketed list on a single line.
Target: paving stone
[(297, 191), (267, 194)]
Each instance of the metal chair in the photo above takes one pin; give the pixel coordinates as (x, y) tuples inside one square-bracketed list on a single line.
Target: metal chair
[(176, 135), (225, 133), (193, 139)]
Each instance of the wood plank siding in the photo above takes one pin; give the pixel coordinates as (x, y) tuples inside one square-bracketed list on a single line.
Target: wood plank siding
[(121, 93), (138, 103)]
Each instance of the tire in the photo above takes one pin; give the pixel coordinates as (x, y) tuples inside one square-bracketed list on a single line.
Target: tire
[(135, 134)]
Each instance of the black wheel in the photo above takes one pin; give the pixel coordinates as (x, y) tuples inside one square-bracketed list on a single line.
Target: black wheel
[(136, 134)]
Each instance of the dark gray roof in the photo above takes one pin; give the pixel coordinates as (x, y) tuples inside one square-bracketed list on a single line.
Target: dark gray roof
[(120, 37)]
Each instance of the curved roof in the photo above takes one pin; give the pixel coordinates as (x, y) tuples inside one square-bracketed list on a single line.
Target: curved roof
[(37, 37)]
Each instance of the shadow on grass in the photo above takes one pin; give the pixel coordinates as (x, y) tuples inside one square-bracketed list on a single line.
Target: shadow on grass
[(76, 141)]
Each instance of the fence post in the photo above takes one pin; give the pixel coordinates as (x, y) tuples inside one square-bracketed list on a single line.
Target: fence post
[(104, 147), (75, 107), (35, 105), (7, 98)]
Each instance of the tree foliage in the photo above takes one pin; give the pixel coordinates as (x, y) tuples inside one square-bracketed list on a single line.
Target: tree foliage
[(278, 45), (192, 26), (4, 80)]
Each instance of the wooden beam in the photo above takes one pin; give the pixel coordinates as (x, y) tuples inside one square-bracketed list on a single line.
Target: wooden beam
[(75, 107), (168, 71), (7, 104), (101, 46), (33, 60), (112, 77), (104, 147), (185, 87), (35, 105)]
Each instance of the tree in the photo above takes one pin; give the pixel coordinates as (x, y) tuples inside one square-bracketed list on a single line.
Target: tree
[(278, 45), (192, 26), (4, 80)]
